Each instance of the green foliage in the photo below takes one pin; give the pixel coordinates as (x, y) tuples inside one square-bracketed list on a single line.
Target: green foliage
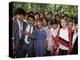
[(70, 10)]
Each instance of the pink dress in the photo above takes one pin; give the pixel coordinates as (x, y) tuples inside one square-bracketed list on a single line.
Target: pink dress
[(49, 38)]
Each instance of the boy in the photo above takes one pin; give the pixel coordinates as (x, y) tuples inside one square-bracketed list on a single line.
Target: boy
[(70, 24), (54, 32), (18, 26), (49, 15), (30, 37), (75, 37)]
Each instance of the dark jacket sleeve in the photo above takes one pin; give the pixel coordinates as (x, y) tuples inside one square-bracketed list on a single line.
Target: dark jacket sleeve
[(33, 35), (13, 29)]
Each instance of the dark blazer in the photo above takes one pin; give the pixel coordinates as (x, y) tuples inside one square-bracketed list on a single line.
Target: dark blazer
[(32, 43), (15, 31), (75, 47)]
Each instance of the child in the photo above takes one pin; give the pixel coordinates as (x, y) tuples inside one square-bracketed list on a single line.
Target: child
[(49, 39), (47, 28), (44, 22), (54, 32), (75, 37), (65, 38), (41, 37), (49, 15), (70, 24)]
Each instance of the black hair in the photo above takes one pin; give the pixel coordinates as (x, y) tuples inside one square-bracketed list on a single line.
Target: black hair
[(26, 13), (65, 15), (30, 17), (31, 13), (75, 20), (42, 14), (57, 15), (70, 21), (53, 21), (50, 12), (45, 19), (19, 11), (37, 13)]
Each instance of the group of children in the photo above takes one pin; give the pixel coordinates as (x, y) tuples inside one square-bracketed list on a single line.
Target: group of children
[(48, 37)]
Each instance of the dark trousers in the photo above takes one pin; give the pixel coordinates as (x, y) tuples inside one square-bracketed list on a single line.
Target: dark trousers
[(28, 49), (19, 49), (63, 52), (25, 49), (48, 53), (75, 47), (31, 52)]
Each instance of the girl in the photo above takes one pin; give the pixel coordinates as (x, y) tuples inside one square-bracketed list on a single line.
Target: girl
[(47, 28), (49, 39), (65, 38), (44, 22), (41, 37)]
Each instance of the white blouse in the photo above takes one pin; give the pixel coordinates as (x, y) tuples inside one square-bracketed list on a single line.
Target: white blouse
[(63, 34)]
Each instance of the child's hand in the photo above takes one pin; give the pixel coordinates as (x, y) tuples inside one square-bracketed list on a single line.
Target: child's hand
[(25, 33)]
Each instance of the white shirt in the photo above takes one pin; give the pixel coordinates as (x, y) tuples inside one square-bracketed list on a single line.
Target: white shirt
[(20, 28), (74, 38), (25, 21), (54, 32), (27, 30), (63, 34)]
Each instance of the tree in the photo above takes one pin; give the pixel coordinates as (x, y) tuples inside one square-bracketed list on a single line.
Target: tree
[(70, 10)]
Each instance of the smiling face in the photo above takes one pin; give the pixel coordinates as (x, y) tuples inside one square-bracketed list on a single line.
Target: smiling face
[(44, 22), (37, 17), (30, 21), (63, 23), (39, 24)]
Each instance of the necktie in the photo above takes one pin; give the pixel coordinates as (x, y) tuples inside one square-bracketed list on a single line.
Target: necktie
[(30, 30), (29, 33)]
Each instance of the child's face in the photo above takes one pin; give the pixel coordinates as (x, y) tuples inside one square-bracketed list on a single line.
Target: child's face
[(26, 17), (36, 17), (57, 18), (65, 17), (39, 23), (63, 23), (54, 26), (44, 22), (41, 16), (75, 27), (70, 24), (49, 16), (49, 26), (30, 21)]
